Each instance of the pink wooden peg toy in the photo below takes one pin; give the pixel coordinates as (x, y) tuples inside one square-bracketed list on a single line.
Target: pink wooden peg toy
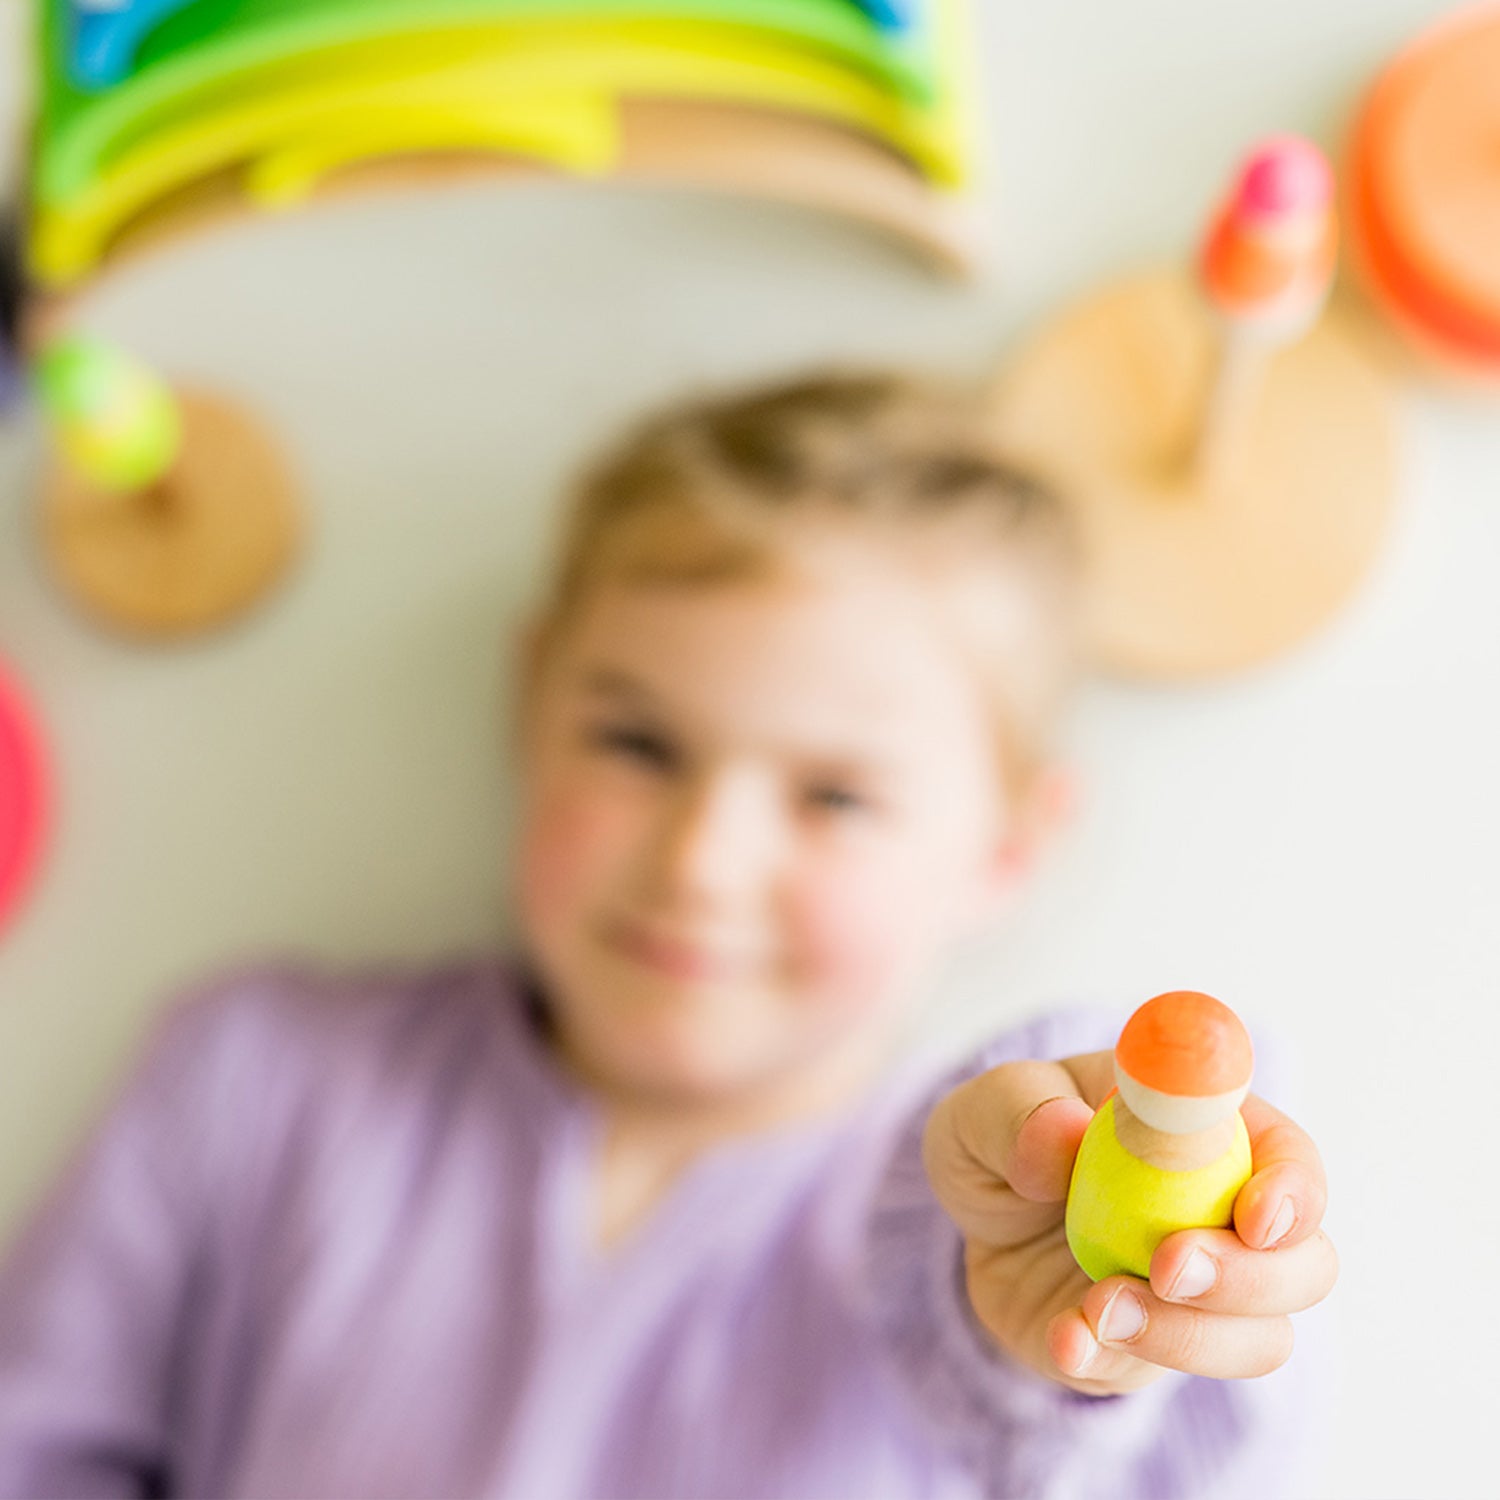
[(1266, 266), (1227, 443), (1268, 258)]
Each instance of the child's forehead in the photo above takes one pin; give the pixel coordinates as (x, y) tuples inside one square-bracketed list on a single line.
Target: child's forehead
[(857, 664)]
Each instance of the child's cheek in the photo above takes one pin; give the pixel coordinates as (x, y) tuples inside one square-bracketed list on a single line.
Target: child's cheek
[(568, 848), (856, 928)]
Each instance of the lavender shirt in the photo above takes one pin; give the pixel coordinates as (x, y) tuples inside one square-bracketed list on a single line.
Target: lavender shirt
[(330, 1240)]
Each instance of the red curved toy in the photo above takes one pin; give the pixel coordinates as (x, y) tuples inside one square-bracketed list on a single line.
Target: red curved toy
[(1425, 184), (23, 794)]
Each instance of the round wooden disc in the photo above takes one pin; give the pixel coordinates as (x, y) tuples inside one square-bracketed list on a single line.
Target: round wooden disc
[(1186, 581), (1425, 187), (195, 552)]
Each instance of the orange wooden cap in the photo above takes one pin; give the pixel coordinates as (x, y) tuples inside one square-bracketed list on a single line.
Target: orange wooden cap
[(1187, 1044), (1426, 183), (1241, 269)]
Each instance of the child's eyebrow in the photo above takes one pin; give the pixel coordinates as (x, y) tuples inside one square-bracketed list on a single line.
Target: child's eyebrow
[(612, 682)]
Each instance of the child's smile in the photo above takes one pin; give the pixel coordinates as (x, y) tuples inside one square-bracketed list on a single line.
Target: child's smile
[(689, 962)]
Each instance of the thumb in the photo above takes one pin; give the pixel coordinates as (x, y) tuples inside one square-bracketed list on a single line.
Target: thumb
[(999, 1148)]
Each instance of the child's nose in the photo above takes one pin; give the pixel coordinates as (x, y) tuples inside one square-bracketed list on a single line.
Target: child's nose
[(721, 838)]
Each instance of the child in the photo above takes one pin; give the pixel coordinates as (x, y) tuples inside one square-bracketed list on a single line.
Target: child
[(644, 1212)]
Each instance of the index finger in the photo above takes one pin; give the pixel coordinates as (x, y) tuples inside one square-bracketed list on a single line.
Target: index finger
[(1283, 1202)]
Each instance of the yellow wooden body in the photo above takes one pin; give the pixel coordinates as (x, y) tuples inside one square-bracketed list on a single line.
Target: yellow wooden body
[(1121, 1208)]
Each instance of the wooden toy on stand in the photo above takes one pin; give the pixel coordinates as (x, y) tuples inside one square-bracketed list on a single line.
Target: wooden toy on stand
[(1230, 453), (1424, 194), (1168, 1148), (173, 513), (164, 513)]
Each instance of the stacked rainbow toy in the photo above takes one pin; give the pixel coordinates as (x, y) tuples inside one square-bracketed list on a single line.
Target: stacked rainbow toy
[(149, 105)]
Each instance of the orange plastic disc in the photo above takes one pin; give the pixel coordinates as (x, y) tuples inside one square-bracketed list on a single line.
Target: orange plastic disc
[(1425, 187)]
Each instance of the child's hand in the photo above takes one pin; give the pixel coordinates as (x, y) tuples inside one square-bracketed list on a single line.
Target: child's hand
[(999, 1152)]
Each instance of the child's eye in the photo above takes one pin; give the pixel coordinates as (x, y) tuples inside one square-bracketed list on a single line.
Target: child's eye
[(830, 798), (634, 744)]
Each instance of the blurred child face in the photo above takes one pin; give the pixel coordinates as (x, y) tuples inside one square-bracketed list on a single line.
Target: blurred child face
[(754, 815)]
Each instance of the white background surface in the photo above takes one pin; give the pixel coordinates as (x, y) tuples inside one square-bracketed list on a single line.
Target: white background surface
[(1316, 842)]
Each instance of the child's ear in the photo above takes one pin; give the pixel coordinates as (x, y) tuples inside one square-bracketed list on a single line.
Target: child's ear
[(1049, 805), (1056, 797)]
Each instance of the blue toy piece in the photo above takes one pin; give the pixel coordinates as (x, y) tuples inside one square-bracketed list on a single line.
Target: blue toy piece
[(106, 35), (893, 15)]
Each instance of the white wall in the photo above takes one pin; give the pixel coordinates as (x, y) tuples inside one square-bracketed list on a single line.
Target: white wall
[(1317, 842)]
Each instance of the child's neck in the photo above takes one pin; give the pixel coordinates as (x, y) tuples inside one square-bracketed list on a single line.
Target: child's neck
[(804, 1095), (649, 1141), (650, 1138)]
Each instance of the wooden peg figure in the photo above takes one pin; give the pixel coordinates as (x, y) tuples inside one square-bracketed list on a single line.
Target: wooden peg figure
[(1227, 445), (1168, 1148), (167, 512), (1266, 266)]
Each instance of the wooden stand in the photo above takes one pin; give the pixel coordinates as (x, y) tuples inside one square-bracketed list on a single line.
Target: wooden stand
[(1189, 575), (189, 554), (202, 549), (728, 148)]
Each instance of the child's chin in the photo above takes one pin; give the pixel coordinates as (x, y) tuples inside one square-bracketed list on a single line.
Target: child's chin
[(692, 1061)]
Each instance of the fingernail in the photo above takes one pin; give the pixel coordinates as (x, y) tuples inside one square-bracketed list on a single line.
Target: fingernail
[(1124, 1317), (1089, 1356), (1036, 1109), (1198, 1274), (1281, 1225)]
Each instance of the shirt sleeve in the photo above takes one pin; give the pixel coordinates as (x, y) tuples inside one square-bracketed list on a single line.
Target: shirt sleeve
[(1022, 1435), (98, 1287)]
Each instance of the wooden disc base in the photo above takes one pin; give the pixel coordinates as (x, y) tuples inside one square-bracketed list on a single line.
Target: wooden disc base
[(192, 553), (1187, 579)]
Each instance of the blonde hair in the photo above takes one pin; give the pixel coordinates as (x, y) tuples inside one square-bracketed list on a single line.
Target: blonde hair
[(731, 487)]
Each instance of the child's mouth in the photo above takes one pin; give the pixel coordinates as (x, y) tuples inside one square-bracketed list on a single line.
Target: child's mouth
[(672, 958)]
